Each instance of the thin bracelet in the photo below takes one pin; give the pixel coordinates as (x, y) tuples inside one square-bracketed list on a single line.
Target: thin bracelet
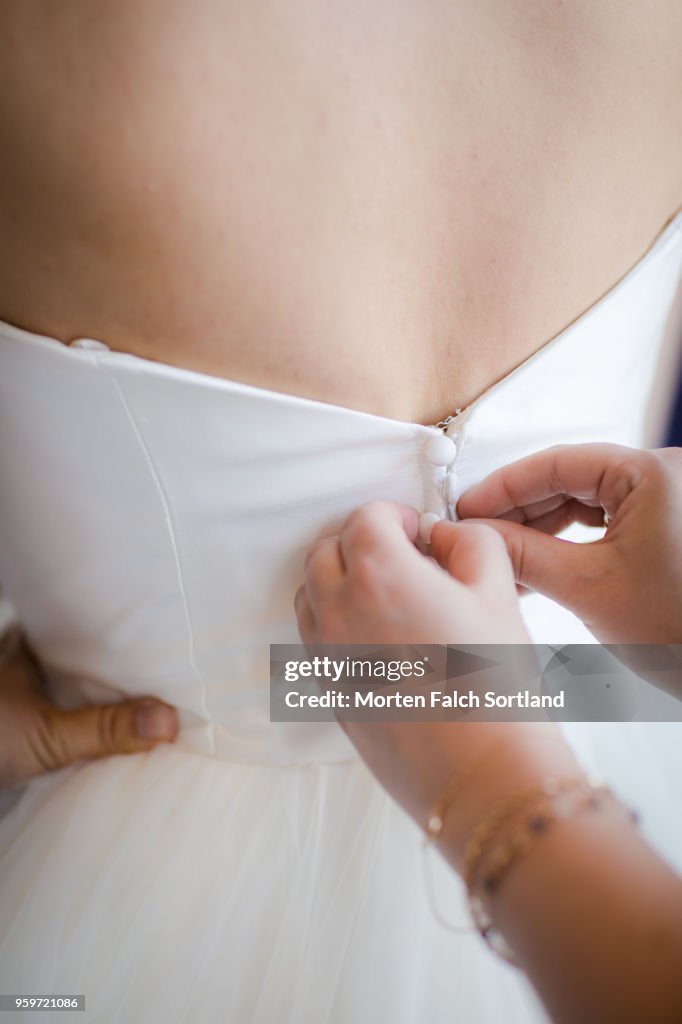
[(504, 810), (435, 821), (538, 820), (490, 825)]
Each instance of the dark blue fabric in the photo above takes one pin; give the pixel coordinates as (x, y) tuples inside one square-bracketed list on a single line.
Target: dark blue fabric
[(675, 431)]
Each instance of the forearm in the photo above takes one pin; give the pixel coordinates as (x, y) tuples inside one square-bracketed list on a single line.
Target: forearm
[(592, 914), (595, 919)]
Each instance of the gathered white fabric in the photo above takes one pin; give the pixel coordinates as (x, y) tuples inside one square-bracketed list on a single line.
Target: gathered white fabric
[(153, 524)]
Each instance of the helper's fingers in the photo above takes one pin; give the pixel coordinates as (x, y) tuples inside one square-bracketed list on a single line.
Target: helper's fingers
[(559, 569), (536, 510), (599, 474), (379, 529), (100, 730), (564, 515), (324, 567), (471, 552), (304, 616)]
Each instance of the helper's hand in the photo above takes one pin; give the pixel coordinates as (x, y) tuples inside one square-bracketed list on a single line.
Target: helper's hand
[(371, 585), (627, 586), (37, 737)]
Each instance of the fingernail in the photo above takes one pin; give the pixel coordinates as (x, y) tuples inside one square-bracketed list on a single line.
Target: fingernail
[(155, 722)]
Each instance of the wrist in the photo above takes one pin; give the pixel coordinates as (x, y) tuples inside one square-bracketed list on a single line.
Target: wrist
[(521, 756)]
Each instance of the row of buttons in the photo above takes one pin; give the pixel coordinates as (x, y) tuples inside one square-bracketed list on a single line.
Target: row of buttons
[(440, 452)]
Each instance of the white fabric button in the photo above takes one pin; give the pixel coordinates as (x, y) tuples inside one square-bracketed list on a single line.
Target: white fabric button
[(427, 521), (440, 450), (89, 343)]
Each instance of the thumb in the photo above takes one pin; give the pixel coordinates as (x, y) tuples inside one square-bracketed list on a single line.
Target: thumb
[(562, 570), (100, 730)]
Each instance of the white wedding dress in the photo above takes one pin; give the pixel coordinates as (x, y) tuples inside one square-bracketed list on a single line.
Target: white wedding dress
[(153, 523)]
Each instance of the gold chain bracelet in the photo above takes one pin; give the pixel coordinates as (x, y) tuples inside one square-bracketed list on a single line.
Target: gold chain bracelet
[(542, 813), (435, 821), (504, 810)]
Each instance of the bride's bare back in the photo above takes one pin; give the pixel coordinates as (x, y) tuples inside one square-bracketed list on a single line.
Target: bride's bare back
[(384, 205)]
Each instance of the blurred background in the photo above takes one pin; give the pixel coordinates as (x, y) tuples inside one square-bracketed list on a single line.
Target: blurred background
[(675, 428)]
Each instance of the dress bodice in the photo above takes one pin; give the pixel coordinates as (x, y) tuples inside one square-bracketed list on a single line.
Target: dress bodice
[(153, 520)]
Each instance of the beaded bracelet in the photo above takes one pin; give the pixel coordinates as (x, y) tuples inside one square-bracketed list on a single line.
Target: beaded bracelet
[(504, 811), (488, 873), (501, 811), (435, 821)]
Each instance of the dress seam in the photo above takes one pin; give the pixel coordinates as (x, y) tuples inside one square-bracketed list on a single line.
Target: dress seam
[(165, 505)]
